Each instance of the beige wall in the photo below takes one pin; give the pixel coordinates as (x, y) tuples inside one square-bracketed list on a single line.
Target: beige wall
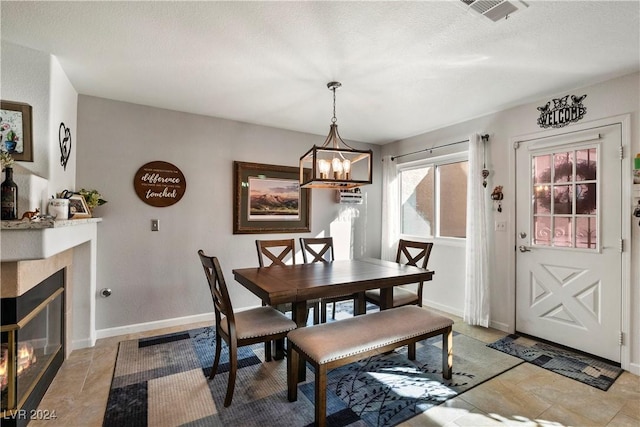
[(156, 276)]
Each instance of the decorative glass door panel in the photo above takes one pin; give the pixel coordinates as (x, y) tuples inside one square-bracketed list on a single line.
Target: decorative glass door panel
[(565, 194)]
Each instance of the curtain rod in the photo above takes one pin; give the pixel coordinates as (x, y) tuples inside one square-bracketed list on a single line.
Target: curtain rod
[(485, 138)]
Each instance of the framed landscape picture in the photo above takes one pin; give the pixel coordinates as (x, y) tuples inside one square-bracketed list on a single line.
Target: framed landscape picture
[(268, 199), (16, 130)]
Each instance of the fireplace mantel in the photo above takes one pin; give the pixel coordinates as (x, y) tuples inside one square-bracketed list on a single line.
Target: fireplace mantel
[(28, 240), (28, 247)]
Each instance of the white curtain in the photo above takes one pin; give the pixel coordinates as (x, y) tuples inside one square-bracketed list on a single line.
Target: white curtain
[(476, 299), (390, 209)]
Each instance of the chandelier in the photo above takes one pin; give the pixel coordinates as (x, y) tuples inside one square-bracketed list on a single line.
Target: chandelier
[(335, 164)]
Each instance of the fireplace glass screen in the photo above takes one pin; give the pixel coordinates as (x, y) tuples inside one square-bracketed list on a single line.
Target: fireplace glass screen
[(28, 348)]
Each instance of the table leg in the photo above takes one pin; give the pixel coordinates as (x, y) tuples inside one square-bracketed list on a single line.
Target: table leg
[(360, 304), (299, 313), (386, 298)]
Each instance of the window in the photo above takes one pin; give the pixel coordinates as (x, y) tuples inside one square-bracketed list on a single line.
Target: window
[(434, 197)]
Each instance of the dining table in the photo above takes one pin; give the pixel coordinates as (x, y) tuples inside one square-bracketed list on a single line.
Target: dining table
[(298, 283)]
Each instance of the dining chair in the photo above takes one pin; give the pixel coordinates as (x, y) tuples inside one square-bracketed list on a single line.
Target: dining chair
[(320, 249), (409, 253), (279, 252), (262, 324)]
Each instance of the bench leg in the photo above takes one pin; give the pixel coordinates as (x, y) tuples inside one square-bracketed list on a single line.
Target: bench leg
[(411, 351), (447, 353), (321, 395), (279, 349), (293, 359)]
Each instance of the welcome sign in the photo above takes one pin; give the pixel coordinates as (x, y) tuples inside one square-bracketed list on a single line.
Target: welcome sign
[(159, 184), (562, 113)]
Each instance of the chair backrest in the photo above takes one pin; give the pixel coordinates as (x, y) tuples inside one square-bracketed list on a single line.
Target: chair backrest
[(218, 287), (320, 248), (275, 251), (413, 253)]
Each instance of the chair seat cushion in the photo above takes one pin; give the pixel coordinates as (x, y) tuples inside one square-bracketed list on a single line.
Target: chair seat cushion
[(336, 340), (259, 322), (401, 296)]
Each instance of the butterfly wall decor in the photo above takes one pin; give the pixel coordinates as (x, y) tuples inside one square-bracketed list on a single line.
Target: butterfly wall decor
[(562, 113)]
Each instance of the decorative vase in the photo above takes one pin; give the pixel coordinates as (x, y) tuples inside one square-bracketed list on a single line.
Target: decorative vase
[(10, 145)]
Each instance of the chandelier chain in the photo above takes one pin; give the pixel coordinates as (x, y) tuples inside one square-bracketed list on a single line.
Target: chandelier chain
[(334, 119)]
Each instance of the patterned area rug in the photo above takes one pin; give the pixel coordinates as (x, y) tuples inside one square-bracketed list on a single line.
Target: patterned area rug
[(163, 381), (571, 364)]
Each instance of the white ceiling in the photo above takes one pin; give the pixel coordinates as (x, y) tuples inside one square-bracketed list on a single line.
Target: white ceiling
[(406, 67)]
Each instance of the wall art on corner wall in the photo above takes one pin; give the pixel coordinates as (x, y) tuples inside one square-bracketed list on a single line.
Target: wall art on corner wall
[(159, 184), (64, 141), (16, 130), (268, 199), (562, 113)]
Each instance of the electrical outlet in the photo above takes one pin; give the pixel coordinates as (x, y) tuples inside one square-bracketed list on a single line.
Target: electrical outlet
[(501, 226), (155, 225)]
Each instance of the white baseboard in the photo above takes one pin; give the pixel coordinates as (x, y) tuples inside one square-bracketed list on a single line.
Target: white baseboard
[(442, 307), (83, 343), (499, 326), (504, 327), (149, 326), (634, 368)]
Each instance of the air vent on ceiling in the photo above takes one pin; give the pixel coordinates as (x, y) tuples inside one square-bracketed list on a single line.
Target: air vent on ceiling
[(495, 9)]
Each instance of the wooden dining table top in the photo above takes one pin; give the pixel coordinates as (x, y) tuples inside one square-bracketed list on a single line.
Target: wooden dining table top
[(302, 282)]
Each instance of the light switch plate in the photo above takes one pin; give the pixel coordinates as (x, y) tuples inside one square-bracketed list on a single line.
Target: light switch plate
[(155, 225)]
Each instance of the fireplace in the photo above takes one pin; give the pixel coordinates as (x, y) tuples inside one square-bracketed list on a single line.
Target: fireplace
[(33, 342)]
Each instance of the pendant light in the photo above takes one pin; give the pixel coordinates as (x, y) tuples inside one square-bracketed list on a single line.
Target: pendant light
[(335, 164)]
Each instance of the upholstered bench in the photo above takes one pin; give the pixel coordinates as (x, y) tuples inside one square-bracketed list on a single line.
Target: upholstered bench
[(330, 345)]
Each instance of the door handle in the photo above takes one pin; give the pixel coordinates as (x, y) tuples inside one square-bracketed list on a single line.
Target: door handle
[(523, 248)]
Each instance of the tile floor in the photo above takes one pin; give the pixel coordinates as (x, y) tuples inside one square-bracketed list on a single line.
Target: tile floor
[(525, 396)]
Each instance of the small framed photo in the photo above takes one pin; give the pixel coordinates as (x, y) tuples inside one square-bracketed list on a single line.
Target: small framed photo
[(16, 130), (78, 207)]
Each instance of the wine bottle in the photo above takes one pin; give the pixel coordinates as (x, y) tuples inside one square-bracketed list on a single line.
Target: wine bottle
[(9, 197)]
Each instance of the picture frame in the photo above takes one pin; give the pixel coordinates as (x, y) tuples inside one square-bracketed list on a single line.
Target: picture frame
[(268, 199), (16, 130), (78, 207)]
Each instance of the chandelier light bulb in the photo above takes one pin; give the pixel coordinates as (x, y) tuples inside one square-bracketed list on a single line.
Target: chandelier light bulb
[(346, 167), (324, 167), (336, 165)]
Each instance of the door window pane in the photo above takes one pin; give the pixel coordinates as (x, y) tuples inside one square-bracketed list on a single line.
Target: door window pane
[(562, 232), (563, 167), (586, 199), (542, 230), (542, 169), (586, 165), (586, 232), (541, 197), (562, 199)]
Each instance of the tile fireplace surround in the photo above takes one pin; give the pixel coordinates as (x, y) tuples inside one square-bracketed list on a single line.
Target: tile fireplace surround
[(32, 253)]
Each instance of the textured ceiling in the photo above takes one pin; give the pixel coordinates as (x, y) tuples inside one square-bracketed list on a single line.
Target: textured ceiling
[(406, 67)]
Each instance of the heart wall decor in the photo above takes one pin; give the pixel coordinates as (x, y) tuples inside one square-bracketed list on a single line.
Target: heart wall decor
[(64, 138)]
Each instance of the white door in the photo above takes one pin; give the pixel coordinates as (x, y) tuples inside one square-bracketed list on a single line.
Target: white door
[(569, 258)]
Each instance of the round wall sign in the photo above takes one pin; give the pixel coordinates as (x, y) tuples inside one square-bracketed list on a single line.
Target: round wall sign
[(159, 184)]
